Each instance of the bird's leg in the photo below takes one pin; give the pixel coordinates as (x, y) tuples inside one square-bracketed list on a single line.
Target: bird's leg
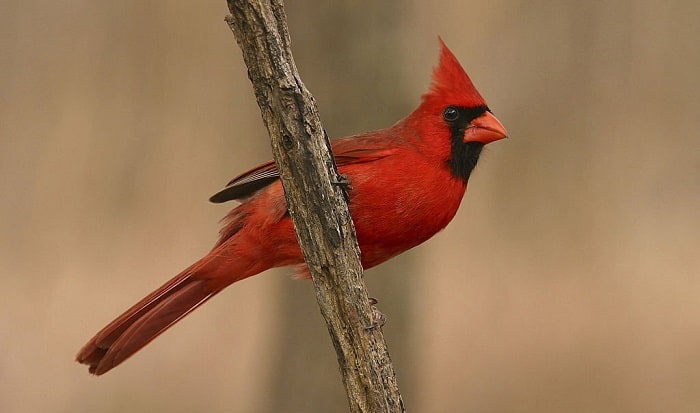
[(378, 317), (343, 181)]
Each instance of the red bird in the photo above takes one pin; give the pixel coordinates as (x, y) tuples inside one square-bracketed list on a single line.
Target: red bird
[(407, 183)]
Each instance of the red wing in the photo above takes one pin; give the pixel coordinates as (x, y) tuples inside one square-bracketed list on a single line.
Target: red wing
[(355, 149)]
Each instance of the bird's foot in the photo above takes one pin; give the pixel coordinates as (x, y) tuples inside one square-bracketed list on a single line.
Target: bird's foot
[(343, 181), (379, 319)]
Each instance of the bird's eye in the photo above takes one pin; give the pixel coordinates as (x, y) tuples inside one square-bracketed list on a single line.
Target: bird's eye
[(450, 114)]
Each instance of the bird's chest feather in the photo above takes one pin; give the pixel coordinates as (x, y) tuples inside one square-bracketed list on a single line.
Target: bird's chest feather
[(405, 204)]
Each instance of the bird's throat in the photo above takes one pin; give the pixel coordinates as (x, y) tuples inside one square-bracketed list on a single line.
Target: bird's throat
[(464, 158)]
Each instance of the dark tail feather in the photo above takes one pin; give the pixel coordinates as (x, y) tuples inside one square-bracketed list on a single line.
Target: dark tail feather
[(150, 317)]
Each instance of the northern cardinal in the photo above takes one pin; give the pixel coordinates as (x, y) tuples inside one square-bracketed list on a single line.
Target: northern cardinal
[(407, 184)]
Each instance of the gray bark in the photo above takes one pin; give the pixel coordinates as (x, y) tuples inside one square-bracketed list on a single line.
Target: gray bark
[(317, 206)]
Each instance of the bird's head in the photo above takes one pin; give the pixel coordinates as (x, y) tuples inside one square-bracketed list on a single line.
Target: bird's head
[(453, 119)]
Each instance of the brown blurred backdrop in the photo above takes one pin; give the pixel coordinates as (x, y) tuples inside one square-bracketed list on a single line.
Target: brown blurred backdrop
[(568, 282)]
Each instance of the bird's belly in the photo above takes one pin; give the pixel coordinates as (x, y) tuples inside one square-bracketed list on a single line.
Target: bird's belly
[(391, 222)]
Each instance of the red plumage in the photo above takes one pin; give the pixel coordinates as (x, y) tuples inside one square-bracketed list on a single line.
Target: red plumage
[(407, 183)]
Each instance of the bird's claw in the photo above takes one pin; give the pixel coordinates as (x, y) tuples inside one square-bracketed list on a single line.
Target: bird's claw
[(379, 319), (343, 181)]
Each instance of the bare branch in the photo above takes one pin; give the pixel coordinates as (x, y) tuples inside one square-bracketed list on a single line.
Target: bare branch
[(318, 208)]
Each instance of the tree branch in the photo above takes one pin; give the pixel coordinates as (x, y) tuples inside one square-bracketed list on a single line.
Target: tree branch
[(318, 208)]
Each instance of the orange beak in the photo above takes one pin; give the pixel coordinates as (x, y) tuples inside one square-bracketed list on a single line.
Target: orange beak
[(485, 129)]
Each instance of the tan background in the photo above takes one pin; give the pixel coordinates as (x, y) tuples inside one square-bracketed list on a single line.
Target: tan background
[(568, 282)]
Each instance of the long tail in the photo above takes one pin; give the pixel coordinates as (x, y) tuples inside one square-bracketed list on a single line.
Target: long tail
[(154, 314)]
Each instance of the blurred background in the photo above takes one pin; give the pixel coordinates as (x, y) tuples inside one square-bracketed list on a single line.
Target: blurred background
[(568, 281)]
